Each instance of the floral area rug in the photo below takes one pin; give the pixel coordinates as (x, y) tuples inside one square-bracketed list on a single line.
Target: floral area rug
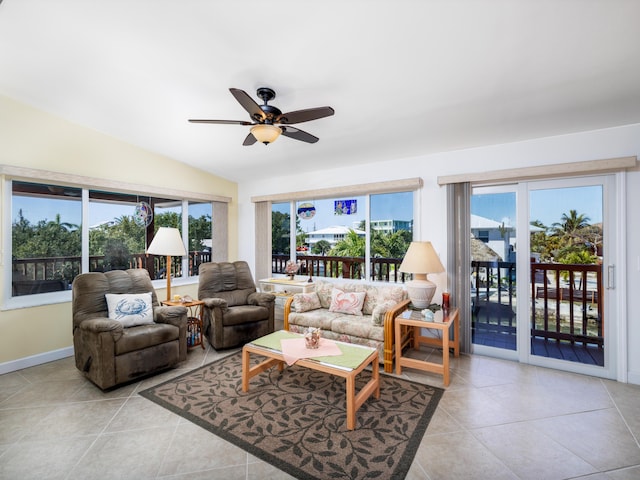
[(296, 419)]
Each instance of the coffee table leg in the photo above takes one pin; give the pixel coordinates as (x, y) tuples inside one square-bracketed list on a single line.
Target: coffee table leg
[(375, 376), (245, 370), (351, 400)]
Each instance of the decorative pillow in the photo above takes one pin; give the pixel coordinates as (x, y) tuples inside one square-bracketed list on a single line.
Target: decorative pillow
[(303, 302), (130, 309), (347, 302), (380, 310)]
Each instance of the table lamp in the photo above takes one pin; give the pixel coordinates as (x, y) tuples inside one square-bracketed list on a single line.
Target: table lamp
[(420, 260), (167, 241)]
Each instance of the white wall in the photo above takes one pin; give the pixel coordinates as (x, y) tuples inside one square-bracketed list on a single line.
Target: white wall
[(431, 223)]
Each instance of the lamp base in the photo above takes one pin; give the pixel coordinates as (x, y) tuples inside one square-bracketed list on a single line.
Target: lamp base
[(420, 292)]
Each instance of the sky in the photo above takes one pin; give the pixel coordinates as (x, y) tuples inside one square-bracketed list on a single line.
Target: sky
[(545, 205), (35, 209), (383, 207)]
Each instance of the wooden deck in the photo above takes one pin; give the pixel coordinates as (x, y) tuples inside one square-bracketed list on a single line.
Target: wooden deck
[(562, 350)]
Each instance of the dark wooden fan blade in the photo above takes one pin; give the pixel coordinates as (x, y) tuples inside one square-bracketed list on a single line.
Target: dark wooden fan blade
[(305, 115), (250, 140), (248, 104), (298, 134), (221, 122)]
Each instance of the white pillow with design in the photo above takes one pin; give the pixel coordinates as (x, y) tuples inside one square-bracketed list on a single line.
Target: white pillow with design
[(347, 302), (130, 309), (304, 302)]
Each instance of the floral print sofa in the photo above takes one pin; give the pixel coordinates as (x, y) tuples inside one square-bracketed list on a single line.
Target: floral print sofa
[(355, 313)]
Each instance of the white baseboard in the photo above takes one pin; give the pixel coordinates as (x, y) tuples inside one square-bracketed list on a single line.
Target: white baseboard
[(34, 360), (633, 377)]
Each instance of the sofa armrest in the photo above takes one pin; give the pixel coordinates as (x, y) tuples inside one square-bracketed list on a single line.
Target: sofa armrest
[(261, 299), (287, 311), (389, 332)]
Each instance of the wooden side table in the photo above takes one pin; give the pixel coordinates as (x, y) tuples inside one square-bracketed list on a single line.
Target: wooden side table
[(194, 320), (413, 325)]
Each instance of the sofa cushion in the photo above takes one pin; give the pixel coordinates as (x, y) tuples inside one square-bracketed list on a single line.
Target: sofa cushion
[(362, 327), (320, 318), (347, 302), (379, 312), (304, 302), (130, 309)]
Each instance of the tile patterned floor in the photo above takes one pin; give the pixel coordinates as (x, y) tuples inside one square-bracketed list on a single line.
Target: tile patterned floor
[(497, 420)]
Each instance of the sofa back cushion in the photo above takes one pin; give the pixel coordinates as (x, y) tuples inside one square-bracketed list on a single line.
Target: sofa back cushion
[(375, 294), (305, 302)]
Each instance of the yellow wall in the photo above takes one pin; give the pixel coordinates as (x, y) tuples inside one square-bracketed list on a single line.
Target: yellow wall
[(31, 138)]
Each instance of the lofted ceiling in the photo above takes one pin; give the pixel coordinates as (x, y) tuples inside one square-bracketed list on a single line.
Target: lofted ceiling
[(405, 78)]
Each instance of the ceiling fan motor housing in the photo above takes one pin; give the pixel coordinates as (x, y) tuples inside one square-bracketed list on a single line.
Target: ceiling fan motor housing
[(267, 94)]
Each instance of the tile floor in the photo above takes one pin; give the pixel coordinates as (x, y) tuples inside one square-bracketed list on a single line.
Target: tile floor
[(497, 420)]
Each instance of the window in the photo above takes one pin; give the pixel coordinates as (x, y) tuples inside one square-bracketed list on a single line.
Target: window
[(46, 237), (391, 221), (351, 236), (47, 234)]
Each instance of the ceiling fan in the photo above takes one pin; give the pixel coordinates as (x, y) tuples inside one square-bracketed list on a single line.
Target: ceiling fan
[(268, 122)]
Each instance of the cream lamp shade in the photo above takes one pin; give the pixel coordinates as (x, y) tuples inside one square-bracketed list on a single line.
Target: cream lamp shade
[(420, 260), (266, 133), (167, 241)]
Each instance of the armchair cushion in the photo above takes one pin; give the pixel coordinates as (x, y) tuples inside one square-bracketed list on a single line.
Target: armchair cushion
[(130, 309)]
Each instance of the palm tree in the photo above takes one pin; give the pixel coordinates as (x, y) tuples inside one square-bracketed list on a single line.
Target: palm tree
[(321, 247), (571, 223)]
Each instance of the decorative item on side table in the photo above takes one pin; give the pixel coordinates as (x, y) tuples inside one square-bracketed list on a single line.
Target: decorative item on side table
[(420, 260), (194, 318), (291, 268), (167, 241)]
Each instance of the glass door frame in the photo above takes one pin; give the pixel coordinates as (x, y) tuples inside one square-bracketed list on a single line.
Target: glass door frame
[(497, 352), (614, 324)]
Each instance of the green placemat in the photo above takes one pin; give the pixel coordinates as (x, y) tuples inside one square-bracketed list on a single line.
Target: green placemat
[(352, 355)]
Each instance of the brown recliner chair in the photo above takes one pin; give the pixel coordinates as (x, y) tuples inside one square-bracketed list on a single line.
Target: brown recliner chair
[(234, 312), (107, 352)]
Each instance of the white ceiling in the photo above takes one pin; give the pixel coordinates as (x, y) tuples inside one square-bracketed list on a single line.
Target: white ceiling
[(405, 78)]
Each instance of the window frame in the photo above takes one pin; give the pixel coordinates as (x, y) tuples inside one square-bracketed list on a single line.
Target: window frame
[(263, 215), (9, 174)]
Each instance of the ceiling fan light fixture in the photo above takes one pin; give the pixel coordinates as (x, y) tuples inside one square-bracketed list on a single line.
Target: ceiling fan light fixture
[(266, 133)]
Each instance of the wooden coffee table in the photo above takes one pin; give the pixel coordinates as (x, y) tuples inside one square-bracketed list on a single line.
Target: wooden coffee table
[(363, 356)]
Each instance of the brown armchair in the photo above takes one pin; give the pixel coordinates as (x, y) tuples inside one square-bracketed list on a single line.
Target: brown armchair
[(234, 312), (107, 351)]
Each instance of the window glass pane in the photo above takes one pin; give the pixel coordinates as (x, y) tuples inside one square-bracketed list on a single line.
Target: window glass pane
[(280, 236), (167, 213), (200, 231), (391, 221), (46, 237), (117, 231), (331, 237)]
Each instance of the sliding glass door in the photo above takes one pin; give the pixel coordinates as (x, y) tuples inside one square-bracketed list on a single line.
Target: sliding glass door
[(542, 273)]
